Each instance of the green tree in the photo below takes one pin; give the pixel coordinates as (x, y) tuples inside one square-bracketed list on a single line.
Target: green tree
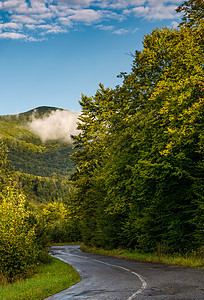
[(6, 172), (22, 235), (91, 144), (193, 12), (140, 159)]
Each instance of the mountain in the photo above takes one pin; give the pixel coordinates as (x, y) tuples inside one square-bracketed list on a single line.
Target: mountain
[(28, 152)]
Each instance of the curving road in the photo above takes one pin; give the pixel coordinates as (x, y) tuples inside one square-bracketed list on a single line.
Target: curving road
[(109, 278)]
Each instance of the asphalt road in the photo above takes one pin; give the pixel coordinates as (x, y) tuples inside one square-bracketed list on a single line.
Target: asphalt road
[(109, 278)]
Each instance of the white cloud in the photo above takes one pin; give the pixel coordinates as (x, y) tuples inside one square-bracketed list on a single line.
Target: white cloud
[(16, 6), (45, 17), (65, 21), (57, 126), (46, 27), (86, 15), (111, 15), (105, 28), (12, 4), (12, 35), (32, 39), (76, 3), (38, 6), (137, 2), (157, 12), (11, 25), (30, 26), (23, 19), (119, 4), (55, 16), (120, 31), (127, 12), (55, 30), (124, 31), (141, 11)]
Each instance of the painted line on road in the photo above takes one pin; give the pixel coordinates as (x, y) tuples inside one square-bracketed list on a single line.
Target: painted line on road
[(144, 283)]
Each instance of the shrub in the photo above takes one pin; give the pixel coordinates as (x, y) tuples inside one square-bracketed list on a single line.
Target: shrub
[(18, 247)]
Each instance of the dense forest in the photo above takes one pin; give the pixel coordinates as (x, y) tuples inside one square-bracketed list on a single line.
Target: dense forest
[(27, 153), (136, 180), (140, 169), (35, 193)]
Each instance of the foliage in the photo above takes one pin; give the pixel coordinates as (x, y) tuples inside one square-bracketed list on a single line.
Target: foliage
[(18, 251), (139, 161), (23, 119), (43, 189), (51, 159), (5, 168), (36, 188), (22, 234), (62, 222), (193, 12), (27, 153), (194, 260), (26, 226), (47, 280)]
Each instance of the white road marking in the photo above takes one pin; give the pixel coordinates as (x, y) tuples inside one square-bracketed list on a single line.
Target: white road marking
[(144, 284)]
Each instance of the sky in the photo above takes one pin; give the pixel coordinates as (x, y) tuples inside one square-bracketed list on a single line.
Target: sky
[(53, 51)]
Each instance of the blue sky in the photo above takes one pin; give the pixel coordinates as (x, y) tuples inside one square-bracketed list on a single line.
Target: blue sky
[(52, 51)]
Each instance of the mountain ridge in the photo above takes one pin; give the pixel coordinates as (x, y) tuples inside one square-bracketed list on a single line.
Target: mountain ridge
[(27, 153), (25, 117)]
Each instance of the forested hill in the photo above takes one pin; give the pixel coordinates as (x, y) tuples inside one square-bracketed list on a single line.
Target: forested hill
[(140, 175), (26, 117), (27, 151), (139, 181)]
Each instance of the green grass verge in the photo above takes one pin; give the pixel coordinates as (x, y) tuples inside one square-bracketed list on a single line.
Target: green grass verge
[(65, 244), (48, 280), (191, 260)]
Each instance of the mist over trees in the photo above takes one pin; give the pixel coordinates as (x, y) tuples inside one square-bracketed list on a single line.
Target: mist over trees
[(139, 179), (39, 142), (34, 210)]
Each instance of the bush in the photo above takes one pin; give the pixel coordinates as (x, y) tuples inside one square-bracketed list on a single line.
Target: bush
[(62, 224), (18, 247)]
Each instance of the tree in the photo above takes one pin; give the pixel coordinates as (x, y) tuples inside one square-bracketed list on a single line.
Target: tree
[(91, 144), (193, 12), (140, 163), (6, 172), (22, 235)]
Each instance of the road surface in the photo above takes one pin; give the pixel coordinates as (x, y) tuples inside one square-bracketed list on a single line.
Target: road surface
[(109, 278)]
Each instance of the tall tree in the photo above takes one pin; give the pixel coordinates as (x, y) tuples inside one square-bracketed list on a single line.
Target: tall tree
[(140, 176), (193, 12)]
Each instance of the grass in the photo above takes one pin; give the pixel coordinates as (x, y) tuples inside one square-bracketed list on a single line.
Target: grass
[(48, 280), (190, 260), (64, 243)]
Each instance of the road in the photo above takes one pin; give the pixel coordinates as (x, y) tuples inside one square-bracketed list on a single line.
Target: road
[(109, 278)]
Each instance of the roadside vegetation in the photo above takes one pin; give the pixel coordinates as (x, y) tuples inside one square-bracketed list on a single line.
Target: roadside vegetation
[(193, 260), (23, 234), (46, 281), (138, 178), (140, 154), (28, 228), (27, 271)]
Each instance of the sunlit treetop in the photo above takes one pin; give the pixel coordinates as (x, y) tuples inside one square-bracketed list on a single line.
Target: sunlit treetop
[(193, 12)]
